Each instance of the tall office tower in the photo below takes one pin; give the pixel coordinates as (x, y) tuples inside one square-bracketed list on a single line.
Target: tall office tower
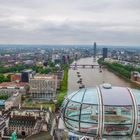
[(94, 51), (64, 59), (105, 51), (26, 75)]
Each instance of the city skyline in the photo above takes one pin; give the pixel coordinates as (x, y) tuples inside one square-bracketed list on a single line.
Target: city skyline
[(70, 22)]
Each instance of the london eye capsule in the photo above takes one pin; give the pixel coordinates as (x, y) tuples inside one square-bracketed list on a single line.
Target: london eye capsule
[(105, 111)]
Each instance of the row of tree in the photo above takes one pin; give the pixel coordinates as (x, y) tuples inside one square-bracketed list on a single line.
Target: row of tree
[(63, 88), (124, 70), (4, 97), (16, 68), (4, 78), (119, 69), (19, 67)]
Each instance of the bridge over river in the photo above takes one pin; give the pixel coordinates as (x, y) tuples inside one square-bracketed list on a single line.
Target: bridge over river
[(91, 76), (85, 66)]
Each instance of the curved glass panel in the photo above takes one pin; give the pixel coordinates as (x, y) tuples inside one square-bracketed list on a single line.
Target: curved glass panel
[(88, 128), (89, 113), (73, 125), (91, 96), (72, 94), (118, 96), (89, 119), (138, 129), (73, 110), (78, 96), (117, 120), (80, 111), (136, 93), (63, 106), (117, 130)]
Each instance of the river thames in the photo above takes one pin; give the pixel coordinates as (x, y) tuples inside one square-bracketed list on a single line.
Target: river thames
[(93, 77)]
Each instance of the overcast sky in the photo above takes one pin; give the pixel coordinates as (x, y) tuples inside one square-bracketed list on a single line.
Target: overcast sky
[(115, 22)]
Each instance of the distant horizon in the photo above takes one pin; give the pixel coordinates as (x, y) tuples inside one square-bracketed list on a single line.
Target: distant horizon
[(75, 45), (70, 22)]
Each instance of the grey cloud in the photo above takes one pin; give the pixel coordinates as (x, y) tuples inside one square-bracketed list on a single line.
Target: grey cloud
[(70, 21)]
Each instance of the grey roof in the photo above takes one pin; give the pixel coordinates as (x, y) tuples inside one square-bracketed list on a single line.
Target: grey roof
[(116, 96)]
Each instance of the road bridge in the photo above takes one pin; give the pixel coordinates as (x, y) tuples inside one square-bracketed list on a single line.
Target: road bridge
[(85, 66)]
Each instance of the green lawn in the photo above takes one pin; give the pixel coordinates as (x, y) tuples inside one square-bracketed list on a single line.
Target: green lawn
[(44, 105)]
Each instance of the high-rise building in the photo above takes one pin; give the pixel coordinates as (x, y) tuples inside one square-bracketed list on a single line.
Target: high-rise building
[(64, 59), (105, 52), (94, 51), (26, 75)]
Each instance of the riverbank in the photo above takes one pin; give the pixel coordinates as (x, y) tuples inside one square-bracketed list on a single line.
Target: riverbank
[(120, 70), (63, 87)]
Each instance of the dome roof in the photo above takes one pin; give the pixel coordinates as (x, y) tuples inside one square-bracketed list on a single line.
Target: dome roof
[(103, 110)]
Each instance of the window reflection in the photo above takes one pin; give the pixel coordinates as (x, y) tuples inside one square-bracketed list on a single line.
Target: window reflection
[(73, 125), (73, 111), (118, 120), (138, 129), (89, 113), (88, 128)]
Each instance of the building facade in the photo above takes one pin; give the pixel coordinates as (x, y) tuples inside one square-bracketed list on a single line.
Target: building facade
[(13, 101), (9, 88), (43, 87), (26, 75), (105, 53), (27, 122)]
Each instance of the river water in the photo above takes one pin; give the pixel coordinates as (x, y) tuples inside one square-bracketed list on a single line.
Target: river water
[(93, 77)]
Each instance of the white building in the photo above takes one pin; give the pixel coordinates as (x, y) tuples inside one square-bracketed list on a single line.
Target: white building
[(13, 101), (43, 86)]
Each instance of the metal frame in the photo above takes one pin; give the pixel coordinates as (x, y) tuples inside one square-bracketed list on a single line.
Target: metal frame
[(101, 114), (135, 113)]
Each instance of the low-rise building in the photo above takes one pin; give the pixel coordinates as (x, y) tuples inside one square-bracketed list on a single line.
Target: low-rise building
[(9, 88), (16, 77), (135, 76), (23, 125), (44, 86), (13, 101), (27, 122)]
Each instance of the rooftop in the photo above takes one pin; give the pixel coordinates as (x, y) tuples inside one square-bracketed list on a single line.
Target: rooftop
[(28, 71), (12, 85), (22, 120), (43, 76)]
